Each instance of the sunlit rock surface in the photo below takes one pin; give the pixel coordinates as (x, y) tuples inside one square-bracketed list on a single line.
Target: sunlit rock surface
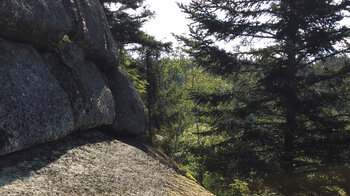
[(33, 106), (54, 61), (46, 24), (92, 164)]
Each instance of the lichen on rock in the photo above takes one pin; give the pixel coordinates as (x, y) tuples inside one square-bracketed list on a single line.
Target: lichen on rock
[(44, 23), (90, 98), (54, 59), (94, 164), (130, 112), (33, 106)]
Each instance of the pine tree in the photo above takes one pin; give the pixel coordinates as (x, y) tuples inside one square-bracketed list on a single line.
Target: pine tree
[(284, 114), (126, 18)]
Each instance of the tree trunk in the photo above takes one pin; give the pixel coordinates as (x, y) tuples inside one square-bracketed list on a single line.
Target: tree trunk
[(149, 97), (289, 144), (199, 141)]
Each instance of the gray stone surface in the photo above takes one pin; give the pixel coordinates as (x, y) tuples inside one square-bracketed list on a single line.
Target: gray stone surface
[(93, 164), (92, 33), (72, 55), (130, 111), (45, 24), (51, 81), (37, 22), (33, 106), (91, 100)]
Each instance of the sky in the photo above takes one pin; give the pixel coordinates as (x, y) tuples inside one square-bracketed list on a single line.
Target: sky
[(169, 19)]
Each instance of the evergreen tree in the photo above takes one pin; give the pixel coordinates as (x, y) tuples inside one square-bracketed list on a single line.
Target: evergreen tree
[(283, 116), (126, 18)]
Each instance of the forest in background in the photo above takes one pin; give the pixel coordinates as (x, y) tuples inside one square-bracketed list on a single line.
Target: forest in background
[(274, 119)]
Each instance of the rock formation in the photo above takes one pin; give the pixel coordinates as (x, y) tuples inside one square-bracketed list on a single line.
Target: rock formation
[(128, 105), (47, 24), (92, 164), (58, 74)]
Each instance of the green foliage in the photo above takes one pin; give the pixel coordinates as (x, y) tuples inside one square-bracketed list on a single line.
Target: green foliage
[(126, 22), (240, 188), (126, 19), (178, 79), (61, 43), (286, 108), (268, 120), (131, 68), (167, 98), (66, 39)]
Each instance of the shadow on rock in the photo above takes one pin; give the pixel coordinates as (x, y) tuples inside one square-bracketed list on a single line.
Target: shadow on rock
[(93, 163), (19, 165)]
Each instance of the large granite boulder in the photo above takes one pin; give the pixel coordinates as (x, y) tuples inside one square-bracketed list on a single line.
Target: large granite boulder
[(37, 22), (47, 24), (33, 106), (58, 74), (90, 98), (130, 112), (92, 33), (42, 99)]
